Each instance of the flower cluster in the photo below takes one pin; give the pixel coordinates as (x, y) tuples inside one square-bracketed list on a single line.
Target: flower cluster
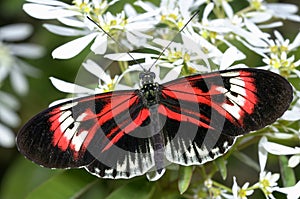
[(172, 41), (12, 66)]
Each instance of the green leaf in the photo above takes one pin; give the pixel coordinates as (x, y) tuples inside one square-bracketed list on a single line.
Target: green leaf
[(221, 164), (185, 176), (68, 184), (24, 176), (136, 189), (287, 173)]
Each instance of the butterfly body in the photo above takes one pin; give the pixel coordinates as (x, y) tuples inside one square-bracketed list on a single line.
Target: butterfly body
[(187, 121)]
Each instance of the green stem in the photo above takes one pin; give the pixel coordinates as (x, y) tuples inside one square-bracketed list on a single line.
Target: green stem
[(222, 186)]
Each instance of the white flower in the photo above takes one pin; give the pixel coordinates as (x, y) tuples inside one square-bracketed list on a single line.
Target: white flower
[(186, 55), (12, 66), (173, 13), (292, 192), (7, 137), (147, 65), (241, 192), (229, 57), (74, 17), (265, 147), (10, 53), (294, 113), (8, 118), (268, 183), (104, 84), (277, 10)]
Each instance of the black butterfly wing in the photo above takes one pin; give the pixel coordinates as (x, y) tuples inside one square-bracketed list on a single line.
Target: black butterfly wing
[(115, 135), (206, 112), (96, 132)]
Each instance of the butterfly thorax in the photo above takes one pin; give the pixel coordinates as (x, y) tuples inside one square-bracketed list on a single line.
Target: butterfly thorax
[(149, 93), (149, 89)]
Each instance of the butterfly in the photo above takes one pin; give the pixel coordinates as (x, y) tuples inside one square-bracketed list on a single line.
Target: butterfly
[(187, 121)]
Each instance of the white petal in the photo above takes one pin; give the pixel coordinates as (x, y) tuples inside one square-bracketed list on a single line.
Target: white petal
[(112, 2), (72, 21), (9, 100), (126, 57), (255, 30), (3, 72), (129, 10), (99, 46), (294, 18), (47, 12), (262, 153), (96, 70), (279, 36), (73, 48), (292, 115), (250, 37), (292, 192), (15, 32), (8, 116), (7, 137), (31, 51), (28, 69), (68, 87), (172, 74), (229, 57), (228, 10), (144, 17), (49, 2), (279, 149), (235, 188), (282, 7), (294, 161), (206, 12), (19, 82), (147, 6), (295, 43), (271, 25), (64, 31), (259, 17)]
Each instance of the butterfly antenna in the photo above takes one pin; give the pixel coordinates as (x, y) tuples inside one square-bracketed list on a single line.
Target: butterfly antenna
[(117, 42), (162, 52)]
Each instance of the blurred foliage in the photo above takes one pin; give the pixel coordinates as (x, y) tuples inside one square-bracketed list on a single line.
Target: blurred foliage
[(19, 177)]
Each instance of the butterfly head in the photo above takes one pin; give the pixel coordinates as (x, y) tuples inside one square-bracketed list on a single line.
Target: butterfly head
[(147, 77)]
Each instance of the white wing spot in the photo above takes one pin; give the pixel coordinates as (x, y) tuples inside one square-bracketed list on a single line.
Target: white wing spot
[(230, 74), (237, 81), (237, 89), (221, 89), (63, 116), (236, 99), (81, 117), (234, 110), (67, 106), (66, 123), (71, 131), (78, 139)]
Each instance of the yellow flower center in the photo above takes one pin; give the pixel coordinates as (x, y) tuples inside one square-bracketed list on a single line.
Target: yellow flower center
[(242, 193), (256, 4), (265, 183), (274, 49)]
